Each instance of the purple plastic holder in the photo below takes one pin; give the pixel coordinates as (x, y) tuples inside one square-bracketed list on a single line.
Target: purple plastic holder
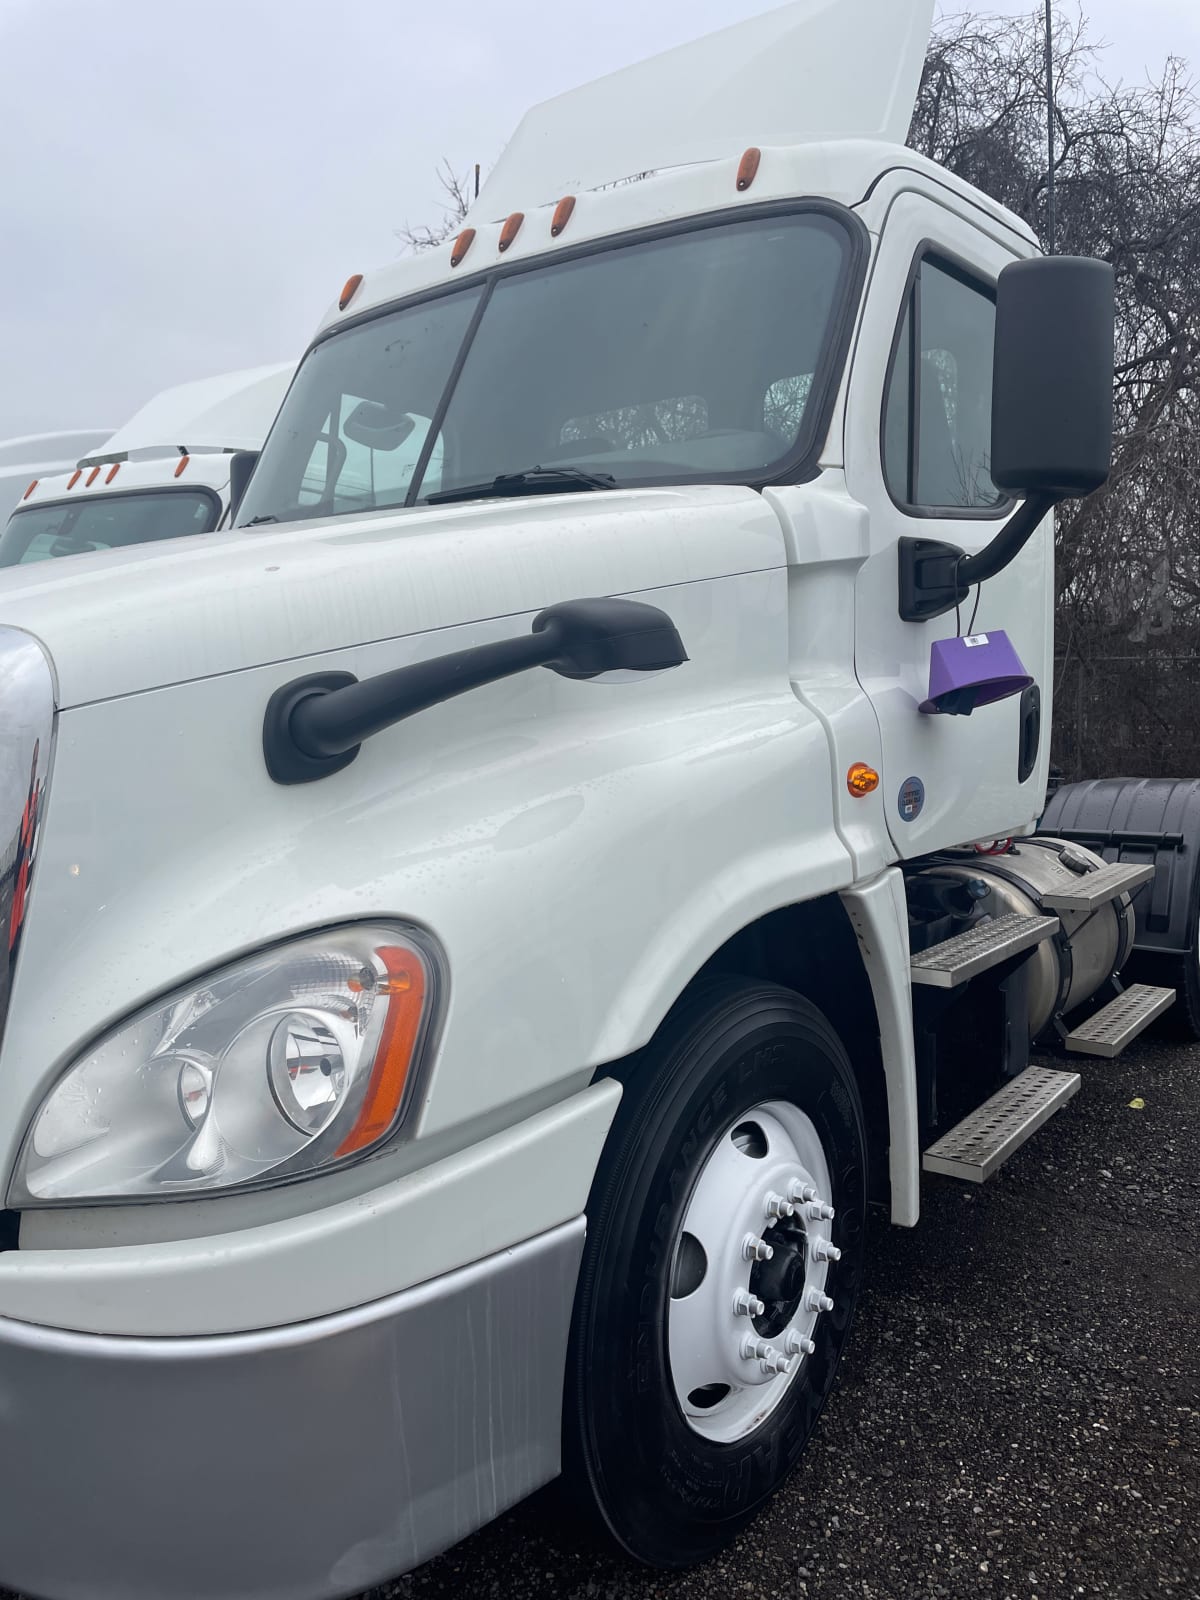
[(970, 672)]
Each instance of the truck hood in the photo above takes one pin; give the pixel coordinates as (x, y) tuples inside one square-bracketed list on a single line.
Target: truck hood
[(811, 71), (124, 621)]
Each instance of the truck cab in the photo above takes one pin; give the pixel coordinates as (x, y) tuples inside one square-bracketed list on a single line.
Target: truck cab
[(487, 926), (171, 471)]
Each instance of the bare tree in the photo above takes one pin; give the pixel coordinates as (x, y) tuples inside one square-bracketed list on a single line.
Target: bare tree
[(1127, 180), (457, 193)]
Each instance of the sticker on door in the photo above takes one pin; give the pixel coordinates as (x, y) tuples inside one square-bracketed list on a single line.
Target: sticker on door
[(911, 799)]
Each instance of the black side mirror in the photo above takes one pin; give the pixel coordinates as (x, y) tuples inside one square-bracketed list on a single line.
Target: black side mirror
[(1052, 382), (315, 725), (241, 465), (1052, 419)]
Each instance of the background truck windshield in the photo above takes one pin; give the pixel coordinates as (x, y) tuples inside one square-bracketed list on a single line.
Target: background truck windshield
[(103, 522), (699, 357)]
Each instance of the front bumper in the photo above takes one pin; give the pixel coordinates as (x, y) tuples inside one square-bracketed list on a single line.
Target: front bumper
[(295, 1463)]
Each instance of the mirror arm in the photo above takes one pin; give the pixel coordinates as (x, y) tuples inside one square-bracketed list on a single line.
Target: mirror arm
[(935, 576)]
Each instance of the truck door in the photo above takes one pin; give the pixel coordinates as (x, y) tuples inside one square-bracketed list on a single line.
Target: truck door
[(917, 451)]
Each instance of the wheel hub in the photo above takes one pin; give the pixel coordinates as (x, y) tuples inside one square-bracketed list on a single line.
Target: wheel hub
[(751, 1263)]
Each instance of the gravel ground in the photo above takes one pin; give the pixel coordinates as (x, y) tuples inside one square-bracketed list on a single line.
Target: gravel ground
[(1018, 1414)]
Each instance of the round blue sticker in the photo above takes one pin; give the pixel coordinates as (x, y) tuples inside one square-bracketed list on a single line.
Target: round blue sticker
[(911, 799)]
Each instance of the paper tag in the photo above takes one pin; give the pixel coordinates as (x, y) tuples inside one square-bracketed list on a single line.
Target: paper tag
[(973, 639)]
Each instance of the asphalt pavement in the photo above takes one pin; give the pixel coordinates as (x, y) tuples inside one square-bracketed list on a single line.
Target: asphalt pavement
[(1017, 1415)]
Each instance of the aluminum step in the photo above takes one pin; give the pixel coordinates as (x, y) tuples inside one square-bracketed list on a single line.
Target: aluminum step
[(984, 1140), (1107, 1031), (955, 961), (1088, 890)]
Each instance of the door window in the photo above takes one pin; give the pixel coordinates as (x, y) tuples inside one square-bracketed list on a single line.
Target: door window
[(938, 407)]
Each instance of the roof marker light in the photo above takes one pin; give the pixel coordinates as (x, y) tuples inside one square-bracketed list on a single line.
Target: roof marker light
[(75, 477), (112, 472), (91, 477), (562, 215), (748, 168), (183, 461), (30, 490), (349, 289), (461, 245), (510, 230)]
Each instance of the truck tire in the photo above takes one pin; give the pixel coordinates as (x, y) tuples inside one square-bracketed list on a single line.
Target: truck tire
[(696, 1373)]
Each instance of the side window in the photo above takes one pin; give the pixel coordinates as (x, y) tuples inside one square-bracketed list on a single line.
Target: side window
[(937, 419)]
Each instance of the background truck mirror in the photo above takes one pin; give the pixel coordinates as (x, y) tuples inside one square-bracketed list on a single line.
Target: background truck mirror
[(1052, 383), (241, 464)]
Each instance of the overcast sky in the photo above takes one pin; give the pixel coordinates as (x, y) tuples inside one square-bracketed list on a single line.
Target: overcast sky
[(183, 188)]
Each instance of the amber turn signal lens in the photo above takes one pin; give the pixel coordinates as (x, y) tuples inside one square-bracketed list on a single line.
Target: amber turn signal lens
[(748, 168), (862, 780), (349, 289), (404, 987)]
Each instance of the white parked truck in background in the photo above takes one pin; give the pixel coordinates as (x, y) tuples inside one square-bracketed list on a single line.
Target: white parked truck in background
[(483, 931), (172, 470), (38, 455)]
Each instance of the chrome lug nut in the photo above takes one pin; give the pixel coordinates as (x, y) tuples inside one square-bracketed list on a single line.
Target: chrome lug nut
[(756, 1249), (746, 1304), (814, 1300), (776, 1206), (797, 1345), (822, 1250)]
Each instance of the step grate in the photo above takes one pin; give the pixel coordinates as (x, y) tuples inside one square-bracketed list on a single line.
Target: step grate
[(1107, 1031), (984, 1140), (957, 960), (1092, 889)]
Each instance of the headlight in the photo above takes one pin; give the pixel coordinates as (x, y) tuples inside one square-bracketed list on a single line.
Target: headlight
[(298, 1059)]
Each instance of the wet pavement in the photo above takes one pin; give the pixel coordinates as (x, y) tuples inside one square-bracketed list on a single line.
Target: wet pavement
[(1018, 1413)]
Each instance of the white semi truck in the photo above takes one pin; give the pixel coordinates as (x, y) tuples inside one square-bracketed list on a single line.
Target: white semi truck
[(483, 932), (174, 469)]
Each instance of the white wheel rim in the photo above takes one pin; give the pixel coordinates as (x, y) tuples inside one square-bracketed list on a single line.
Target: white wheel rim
[(727, 1375)]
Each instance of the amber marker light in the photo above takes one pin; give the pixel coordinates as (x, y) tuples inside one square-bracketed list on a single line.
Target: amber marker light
[(75, 477), (862, 780), (562, 215), (461, 245), (748, 168), (182, 467), (30, 490), (349, 289), (511, 229), (404, 988), (91, 477), (112, 472)]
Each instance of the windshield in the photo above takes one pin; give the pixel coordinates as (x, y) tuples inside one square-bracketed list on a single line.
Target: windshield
[(106, 521), (698, 357)]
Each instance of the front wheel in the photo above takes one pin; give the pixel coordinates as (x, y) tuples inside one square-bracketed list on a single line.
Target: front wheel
[(722, 1266)]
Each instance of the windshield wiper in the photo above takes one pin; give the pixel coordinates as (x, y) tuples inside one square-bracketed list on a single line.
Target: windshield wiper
[(538, 480)]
